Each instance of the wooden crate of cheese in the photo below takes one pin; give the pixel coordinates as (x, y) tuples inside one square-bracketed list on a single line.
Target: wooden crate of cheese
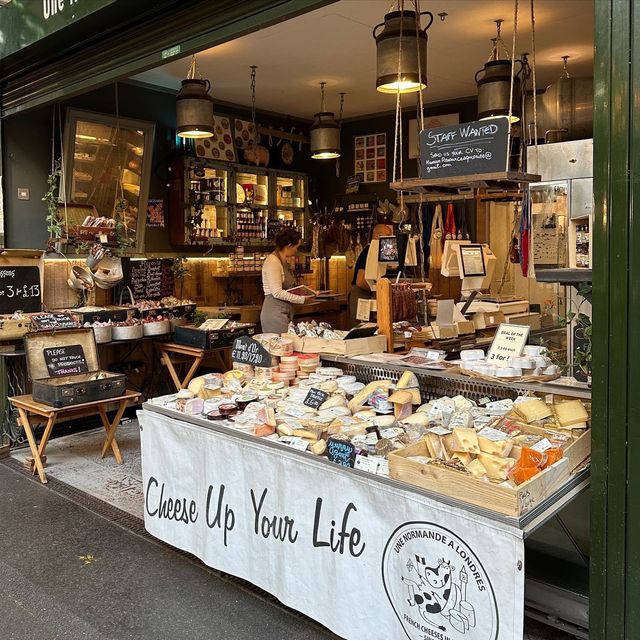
[(509, 501), (351, 347), (474, 466)]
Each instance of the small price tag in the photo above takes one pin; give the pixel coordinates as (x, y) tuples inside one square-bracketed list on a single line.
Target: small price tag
[(104, 238), (315, 398)]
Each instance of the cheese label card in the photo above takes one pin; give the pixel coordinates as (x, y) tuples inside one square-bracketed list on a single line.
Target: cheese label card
[(249, 351), (391, 432), (383, 467), (439, 431), (294, 442), (316, 398), (542, 446), (508, 342), (493, 434), (213, 324), (365, 463), (341, 452), (52, 321), (65, 361)]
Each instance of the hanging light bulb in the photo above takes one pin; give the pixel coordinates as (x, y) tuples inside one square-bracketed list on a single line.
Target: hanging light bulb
[(325, 133), (401, 38), (494, 87), (194, 106)]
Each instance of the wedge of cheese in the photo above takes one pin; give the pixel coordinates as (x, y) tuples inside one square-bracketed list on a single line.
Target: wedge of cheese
[(409, 381), (464, 439), (333, 401), (476, 469), (308, 434), (497, 468), (435, 446), (360, 399), (465, 458), (421, 419), (500, 448), (285, 430), (318, 448), (533, 410), (570, 413)]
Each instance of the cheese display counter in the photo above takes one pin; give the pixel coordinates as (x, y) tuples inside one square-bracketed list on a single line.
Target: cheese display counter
[(297, 488)]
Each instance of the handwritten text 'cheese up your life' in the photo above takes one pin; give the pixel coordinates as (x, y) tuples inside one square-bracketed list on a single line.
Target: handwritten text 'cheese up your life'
[(335, 534)]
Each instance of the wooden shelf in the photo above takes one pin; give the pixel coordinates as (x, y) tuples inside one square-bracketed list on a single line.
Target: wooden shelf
[(251, 274), (564, 276), (499, 180)]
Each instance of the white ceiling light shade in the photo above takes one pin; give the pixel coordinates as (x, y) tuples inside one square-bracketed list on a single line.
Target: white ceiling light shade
[(194, 106), (401, 52), (325, 133)]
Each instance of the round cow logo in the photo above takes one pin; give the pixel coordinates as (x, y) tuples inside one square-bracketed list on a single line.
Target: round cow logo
[(437, 586)]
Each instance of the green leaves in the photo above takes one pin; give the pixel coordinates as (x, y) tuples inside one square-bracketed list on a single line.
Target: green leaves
[(52, 198)]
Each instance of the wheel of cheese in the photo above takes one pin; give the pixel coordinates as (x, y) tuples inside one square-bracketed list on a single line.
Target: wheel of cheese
[(289, 359)]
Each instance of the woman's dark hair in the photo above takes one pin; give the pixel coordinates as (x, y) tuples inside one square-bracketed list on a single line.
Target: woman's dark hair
[(285, 237)]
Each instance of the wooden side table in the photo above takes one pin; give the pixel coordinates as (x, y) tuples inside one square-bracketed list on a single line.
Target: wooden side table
[(172, 354), (28, 410)]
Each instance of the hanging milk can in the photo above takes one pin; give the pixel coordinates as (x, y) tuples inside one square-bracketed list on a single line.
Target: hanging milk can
[(494, 88), (194, 109), (401, 38)]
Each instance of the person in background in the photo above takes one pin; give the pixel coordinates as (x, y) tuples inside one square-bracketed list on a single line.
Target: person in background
[(359, 286), (277, 277)]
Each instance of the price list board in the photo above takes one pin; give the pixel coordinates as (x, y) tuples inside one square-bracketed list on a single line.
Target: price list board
[(20, 289), (151, 279)]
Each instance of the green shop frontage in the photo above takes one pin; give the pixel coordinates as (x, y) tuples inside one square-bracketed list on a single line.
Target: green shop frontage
[(460, 184)]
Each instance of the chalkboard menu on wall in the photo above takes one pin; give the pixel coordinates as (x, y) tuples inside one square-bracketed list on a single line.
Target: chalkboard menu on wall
[(20, 289), (150, 279), (464, 149)]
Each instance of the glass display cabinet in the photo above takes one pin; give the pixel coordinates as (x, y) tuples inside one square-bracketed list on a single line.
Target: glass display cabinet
[(252, 205), (107, 167), (290, 202)]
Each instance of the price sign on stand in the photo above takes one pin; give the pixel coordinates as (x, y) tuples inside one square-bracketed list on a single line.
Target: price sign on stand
[(65, 361), (508, 343), (341, 452), (249, 351), (20, 289), (464, 149), (316, 398), (53, 321)]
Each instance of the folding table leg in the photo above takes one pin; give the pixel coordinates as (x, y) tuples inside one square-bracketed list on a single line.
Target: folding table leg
[(24, 419), (166, 359), (111, 430), (47, 433), (192, 371)]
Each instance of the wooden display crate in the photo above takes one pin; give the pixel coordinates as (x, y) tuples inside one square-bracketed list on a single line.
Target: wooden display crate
[(352, 347), (512, 502)]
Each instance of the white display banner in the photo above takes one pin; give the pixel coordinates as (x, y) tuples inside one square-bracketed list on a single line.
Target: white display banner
[(368, 560)]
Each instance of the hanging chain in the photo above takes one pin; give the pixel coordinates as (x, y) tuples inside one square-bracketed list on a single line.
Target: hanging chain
[(62, 189), (342, 95), (565, 70), (193, 69), (253, 68), (497, 43), (535, 87), (416, 4), (513, 73), (322, 96)]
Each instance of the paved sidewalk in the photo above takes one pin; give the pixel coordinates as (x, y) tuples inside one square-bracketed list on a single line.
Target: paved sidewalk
[(66, 572)]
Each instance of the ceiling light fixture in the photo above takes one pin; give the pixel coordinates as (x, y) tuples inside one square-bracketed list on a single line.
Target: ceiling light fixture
[(494, 87), (325, 133), (194, 106), (401, 30)]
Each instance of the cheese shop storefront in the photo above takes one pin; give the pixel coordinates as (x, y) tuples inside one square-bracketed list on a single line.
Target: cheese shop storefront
[(437, 439)]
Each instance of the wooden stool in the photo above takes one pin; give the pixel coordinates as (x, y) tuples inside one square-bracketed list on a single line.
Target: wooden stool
[(172, 354)]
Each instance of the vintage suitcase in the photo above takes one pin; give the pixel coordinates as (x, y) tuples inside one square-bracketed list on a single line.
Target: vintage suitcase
[(211, 338), (64, 369)]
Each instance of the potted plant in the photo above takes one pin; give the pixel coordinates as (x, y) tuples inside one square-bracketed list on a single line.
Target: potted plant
[(52, 199)]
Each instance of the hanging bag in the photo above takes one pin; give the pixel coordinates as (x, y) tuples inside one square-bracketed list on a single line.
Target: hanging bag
[(435, 242)]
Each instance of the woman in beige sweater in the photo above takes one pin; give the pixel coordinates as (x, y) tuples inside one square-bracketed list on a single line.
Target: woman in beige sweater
[(277, 277)]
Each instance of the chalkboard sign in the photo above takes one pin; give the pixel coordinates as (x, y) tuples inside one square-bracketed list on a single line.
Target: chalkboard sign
[(20, 289), (315, 398), (341, 452), (464, 149), (249, 351), (65, 361), (151, 279), (53, 321)]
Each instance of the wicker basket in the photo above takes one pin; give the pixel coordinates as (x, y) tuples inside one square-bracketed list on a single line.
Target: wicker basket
[(482, 376)]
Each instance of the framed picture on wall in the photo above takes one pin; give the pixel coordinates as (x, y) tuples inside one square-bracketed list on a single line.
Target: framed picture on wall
[(370, 155), (431, 122)]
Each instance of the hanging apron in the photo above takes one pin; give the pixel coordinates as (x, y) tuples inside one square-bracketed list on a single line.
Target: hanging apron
[(277, 314)]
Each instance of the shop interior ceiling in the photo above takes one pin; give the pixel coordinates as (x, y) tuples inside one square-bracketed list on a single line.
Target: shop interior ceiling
[(334, 44)]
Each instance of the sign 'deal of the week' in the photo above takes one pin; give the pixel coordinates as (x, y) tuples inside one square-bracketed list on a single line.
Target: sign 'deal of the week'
[(508, 343)]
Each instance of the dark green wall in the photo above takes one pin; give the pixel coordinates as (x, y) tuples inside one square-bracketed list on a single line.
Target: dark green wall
[(27, 146)]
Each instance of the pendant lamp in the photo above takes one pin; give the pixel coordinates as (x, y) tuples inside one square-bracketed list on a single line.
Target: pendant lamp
[(325, 133), (194, 106), (403, 40), (494, 86)]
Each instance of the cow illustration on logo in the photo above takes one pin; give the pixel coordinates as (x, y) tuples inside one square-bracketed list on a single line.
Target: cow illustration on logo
[(437, 586), (435, 593)]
